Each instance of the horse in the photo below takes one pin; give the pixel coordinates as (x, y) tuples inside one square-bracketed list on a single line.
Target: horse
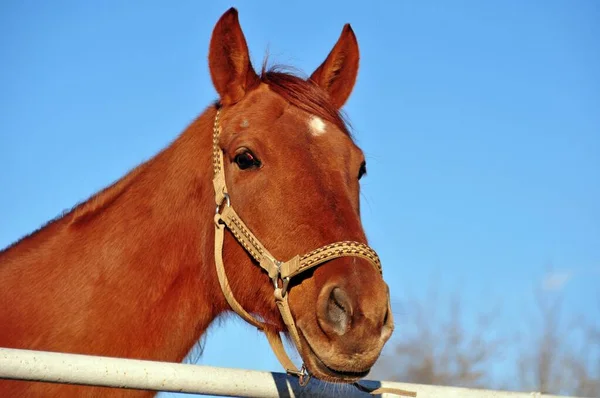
[(268, 171)]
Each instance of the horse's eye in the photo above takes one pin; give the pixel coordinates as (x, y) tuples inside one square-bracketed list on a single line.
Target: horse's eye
[(246, 160), (363, 170)]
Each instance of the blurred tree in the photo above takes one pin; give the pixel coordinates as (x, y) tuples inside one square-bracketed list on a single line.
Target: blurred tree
[(432, 349), (559, 357), (552, 356)]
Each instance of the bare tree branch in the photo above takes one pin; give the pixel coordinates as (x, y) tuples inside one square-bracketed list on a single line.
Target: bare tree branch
[(552, 356)]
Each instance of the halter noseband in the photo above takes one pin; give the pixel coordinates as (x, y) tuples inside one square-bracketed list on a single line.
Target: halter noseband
[(280, 272)]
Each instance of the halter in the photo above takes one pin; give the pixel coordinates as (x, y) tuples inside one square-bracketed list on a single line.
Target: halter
[(280, 272)]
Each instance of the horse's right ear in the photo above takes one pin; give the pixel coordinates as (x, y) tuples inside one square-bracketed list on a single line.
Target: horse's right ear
[(229, 61)]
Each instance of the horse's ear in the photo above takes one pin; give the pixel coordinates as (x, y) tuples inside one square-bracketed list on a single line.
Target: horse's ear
[(229, 61), (337, 74)]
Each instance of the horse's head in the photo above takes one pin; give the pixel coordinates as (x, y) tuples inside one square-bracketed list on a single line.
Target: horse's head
[(292, 172)]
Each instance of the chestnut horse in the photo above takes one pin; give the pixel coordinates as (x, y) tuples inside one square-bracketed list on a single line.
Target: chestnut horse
[(132, 273)]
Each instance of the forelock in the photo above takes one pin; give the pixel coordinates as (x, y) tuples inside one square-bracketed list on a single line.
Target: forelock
[(304, 94)]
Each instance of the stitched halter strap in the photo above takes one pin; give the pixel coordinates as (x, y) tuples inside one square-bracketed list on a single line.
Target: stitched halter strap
[(279, 272)]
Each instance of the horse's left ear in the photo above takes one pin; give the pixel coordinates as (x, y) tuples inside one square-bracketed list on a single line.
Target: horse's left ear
[(337, 74)]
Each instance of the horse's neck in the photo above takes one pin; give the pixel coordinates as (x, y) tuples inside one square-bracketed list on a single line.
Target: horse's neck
[(125, 273)]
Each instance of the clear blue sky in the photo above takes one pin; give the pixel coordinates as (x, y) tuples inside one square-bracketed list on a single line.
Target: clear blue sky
[(480, 122)]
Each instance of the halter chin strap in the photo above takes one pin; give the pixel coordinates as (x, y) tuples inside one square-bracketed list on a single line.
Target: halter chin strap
[(280, 272)]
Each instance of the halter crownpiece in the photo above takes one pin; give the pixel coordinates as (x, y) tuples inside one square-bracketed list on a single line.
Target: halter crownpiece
[(280, 272)]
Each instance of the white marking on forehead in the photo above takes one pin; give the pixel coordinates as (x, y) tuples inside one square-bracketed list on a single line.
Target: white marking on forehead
[(316, 125), (244, 123)]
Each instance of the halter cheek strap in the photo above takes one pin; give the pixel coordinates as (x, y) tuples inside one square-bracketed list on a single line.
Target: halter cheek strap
[(279, 272)]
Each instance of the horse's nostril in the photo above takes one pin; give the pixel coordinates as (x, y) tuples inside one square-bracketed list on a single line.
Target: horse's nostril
[(388, 324), (339, 310), (386, 316)]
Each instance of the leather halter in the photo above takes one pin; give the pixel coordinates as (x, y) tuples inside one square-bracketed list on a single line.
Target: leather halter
[(280, 272)]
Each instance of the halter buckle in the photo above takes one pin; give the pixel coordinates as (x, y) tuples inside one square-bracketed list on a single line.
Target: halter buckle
[(284, 286), (304, 376), (286, 280), (225, 202)]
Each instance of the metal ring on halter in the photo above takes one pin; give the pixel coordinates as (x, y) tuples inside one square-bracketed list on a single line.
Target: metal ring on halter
[(284, 286), (277, 264), (226, 201), (275, 279), (304, 376)]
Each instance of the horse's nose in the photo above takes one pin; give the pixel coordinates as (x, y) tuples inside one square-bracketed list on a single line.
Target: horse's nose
[(340, 311), (334, 310)]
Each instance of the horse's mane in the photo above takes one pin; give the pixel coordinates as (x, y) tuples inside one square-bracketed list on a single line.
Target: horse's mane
[(283, 80)]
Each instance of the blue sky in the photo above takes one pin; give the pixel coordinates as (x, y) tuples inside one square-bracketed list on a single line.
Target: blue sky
[(480, 122)]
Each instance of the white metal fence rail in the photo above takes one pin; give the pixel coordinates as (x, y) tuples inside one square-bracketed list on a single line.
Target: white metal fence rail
[(164, 376)]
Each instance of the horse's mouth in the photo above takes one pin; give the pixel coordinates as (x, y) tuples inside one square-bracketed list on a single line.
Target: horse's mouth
[(321, 370)]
